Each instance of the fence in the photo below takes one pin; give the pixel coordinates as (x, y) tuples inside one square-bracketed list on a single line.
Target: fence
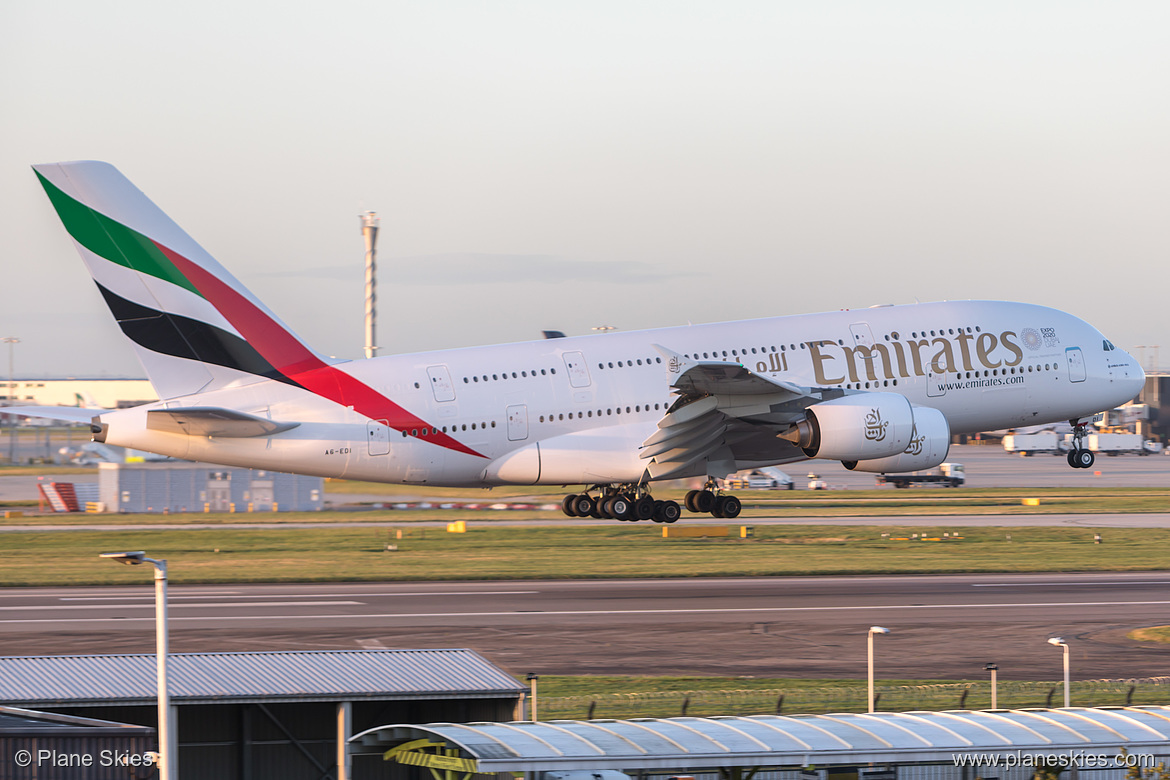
[(901, 698)]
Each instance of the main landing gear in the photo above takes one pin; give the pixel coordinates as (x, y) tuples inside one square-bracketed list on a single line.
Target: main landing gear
[(1079, 457), (707, 501), (628, 503)]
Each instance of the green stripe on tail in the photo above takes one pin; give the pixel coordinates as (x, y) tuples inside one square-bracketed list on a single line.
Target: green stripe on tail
[(113, 240)]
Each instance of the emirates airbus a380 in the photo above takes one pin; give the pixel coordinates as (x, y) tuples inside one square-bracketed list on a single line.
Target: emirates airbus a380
[(880, 389)]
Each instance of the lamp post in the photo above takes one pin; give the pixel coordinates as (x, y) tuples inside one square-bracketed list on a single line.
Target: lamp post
[(532, 678), (11, 341), (1059, 642), (869, 641), (168, 768), (993, 668)]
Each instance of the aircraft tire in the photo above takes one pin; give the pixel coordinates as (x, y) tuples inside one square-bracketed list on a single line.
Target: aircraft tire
[(644, 508), (567, 505), (669, 512), (689, 501), (584, 506), (1085, 459), (1071, 457), (621, 508), (705, 501), (729, 507)]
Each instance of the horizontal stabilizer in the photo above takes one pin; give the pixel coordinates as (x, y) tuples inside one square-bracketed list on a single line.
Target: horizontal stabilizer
[(212, 421), (73, 414)]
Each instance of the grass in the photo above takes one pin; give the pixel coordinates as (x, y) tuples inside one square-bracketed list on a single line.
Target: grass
[(552, 552), (627, 697), (869, 503), (1160, 634)]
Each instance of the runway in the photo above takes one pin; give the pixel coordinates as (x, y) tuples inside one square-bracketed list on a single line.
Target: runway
[(944, 627)]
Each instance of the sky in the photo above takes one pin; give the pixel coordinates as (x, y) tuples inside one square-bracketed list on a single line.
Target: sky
[(566, 166)]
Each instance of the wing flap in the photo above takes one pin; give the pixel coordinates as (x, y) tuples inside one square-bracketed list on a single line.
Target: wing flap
[(213, 421)]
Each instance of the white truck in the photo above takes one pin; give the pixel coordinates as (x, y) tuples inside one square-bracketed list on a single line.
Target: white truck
[(1028, 444), (1117, 443), (946, 475)]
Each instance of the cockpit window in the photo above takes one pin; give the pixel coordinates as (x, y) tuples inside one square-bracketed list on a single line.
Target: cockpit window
[(1108, 345)]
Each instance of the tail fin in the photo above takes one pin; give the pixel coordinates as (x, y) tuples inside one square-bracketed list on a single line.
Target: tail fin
[(193, 325)]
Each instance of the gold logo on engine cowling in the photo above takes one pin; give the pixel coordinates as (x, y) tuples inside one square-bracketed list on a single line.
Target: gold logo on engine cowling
[(875, 426), (916, 443)]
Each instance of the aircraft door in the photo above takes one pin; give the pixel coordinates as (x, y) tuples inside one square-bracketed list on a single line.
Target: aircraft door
[(441, 384), (862, 335), (1076, 364), (578, 371), (378, 436), (517, 423), (936, 383)]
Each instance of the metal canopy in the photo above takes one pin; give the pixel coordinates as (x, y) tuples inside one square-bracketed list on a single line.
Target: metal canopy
[(778, 740), (201, 678)]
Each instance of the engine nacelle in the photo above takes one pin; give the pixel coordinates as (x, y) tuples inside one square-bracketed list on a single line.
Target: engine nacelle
[(929, 446), (855, 427)]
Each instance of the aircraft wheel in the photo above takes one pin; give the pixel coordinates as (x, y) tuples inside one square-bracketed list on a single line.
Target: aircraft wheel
[(669, 512), (584, 506), (1071, 457), (605, 507), (644, 508), (567, 505), (1085, 459), (729, 507), (705, 501), (621, 508), (689, 501)]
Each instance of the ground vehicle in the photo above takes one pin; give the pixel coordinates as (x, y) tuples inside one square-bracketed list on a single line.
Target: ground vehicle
[(947, 475), (760, 479), (1117, 443), (1028, 444)]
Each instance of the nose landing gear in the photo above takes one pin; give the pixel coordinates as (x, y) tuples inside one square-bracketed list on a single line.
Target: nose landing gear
[(1079, 457)]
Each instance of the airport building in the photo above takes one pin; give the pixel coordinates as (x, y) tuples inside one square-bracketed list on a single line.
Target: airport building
[(1087, 743), (103, 393), (176, 487), (285, 715)]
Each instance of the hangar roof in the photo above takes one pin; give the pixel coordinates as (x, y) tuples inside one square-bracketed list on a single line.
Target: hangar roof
[(779, 740), (326, 675)]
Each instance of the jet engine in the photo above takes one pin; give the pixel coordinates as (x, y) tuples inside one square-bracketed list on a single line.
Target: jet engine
[(855, 427), (929, 446)]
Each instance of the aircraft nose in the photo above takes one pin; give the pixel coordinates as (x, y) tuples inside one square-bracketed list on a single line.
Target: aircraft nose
[(1133, 377)]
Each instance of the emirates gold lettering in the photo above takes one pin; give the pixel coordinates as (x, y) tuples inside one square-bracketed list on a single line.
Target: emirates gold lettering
[(984, 345), (819, 360), (869, 356), (913, 357)]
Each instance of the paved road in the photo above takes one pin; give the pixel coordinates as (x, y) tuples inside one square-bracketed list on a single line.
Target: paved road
[(943, 626), (1150, 520)]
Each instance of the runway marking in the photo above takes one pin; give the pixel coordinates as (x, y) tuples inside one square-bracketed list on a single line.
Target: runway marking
[(585, 612), (1065, 584), (312, 595), (208, 605)]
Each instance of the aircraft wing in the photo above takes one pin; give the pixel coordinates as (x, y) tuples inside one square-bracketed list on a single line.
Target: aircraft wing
[(213, 421), (73, 414), (721, 409)]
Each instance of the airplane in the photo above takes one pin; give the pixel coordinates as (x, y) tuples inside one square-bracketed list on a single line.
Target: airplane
[(881, 389)]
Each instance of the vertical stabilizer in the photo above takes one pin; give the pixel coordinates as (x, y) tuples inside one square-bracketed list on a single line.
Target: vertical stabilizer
[(193, 325)]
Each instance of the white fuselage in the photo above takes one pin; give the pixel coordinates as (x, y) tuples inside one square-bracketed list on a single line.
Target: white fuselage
[(576, 410)]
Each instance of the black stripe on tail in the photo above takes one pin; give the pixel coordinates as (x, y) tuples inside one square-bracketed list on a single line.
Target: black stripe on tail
[(183, 337)]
